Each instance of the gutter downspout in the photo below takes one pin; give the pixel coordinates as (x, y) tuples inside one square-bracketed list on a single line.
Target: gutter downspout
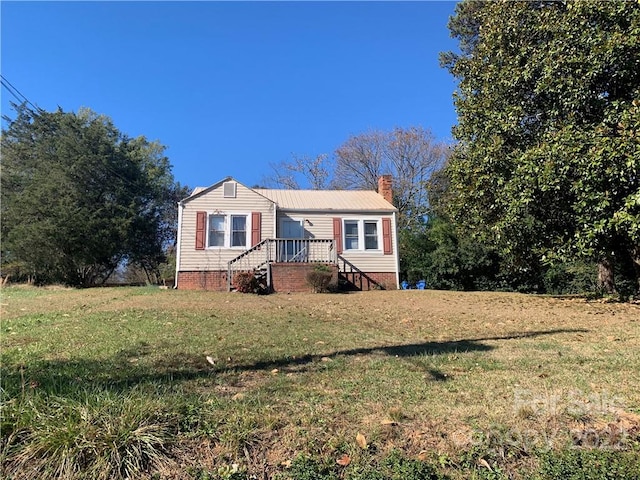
[(395, 245), (178, 243), (275, 235)]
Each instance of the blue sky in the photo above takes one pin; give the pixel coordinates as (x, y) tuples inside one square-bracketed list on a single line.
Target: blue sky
[(232, 87)]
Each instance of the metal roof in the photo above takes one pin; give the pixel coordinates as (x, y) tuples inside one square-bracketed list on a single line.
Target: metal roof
[(315, 200), (322, 200)]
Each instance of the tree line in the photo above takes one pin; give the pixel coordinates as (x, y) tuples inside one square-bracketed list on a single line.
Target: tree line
[(547, 160), (80, 199)]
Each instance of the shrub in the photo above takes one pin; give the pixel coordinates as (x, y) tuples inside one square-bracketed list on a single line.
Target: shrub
[(578, 277), (320, 278), (245, 282)]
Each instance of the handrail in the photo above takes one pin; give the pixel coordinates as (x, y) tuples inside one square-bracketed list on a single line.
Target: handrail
[(282, 250), (303, 251)]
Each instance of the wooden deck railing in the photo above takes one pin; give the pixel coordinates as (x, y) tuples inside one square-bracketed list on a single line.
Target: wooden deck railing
[(282, 250)]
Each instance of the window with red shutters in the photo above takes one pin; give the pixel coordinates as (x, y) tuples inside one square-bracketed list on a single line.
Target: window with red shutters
[(386, 236), (337, 234), (201, 225)]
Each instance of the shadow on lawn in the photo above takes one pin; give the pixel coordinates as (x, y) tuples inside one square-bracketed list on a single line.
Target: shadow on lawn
[(121, 372), (406, 350)]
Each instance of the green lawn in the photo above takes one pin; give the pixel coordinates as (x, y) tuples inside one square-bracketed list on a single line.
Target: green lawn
[(150, 383)]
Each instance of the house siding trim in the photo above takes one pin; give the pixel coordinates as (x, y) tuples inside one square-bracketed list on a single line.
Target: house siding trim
[(178, 244), (394, 233)]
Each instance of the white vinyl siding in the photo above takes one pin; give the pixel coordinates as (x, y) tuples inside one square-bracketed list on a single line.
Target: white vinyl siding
[(320, 225), (216, 204)]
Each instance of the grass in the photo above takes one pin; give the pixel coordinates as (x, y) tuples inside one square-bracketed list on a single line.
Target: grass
[(117, 383)]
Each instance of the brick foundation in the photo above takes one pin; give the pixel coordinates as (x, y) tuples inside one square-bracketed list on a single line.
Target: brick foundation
[(212, 280), (292, 277), (371, 280), (286, 277)]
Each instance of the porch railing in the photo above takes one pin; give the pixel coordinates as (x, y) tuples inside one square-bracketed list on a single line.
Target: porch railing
[(282, 250)]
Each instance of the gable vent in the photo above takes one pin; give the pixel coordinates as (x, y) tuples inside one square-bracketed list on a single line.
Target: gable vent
[(229, 189)]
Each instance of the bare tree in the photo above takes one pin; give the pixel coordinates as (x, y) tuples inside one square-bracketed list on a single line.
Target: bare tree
[(314, 171), (411, 155)]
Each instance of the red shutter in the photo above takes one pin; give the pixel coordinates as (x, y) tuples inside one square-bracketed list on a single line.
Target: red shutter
[(256, 228), (337, 234), (386, 236), (201, 223)]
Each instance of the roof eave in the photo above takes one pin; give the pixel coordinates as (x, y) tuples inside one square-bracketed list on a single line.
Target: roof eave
[(216, 185), (337, 210)]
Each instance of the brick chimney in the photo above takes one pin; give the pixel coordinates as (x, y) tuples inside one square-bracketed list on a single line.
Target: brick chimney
[(385, 187)]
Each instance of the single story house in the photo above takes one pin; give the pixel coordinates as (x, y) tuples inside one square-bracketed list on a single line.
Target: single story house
[(281, 235)]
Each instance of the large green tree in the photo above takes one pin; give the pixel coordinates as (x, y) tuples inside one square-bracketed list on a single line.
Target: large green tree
[(79, 198), (548, 160)]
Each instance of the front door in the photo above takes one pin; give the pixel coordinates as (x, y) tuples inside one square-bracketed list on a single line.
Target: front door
[(291, 250)]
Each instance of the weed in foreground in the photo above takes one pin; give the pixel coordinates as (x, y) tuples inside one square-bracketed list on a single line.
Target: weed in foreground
[(590, 464), (104, 436), (393, 467)]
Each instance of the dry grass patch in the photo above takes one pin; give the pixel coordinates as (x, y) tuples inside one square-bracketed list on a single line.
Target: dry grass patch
[(450, 377)]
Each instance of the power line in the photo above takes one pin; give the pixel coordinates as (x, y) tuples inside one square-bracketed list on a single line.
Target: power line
[(17, 94), (22, 99)]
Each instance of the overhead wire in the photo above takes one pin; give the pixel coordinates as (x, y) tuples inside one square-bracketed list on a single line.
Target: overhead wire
[(17, 94), (22, 99)]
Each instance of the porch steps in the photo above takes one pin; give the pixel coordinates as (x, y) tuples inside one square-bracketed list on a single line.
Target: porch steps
[(280, 250)]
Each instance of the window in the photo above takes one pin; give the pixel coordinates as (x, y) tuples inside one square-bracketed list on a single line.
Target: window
[(238, 230), (227, 231), (361, 235), (351, 235), (216, 230), (370, 235)]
